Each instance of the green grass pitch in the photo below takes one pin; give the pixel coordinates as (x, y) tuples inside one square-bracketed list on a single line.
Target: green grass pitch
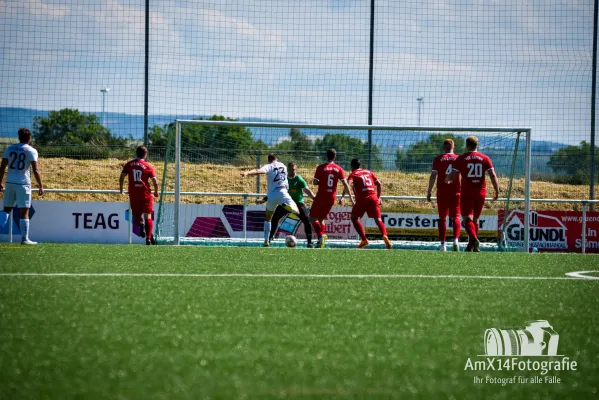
[(282, 334)]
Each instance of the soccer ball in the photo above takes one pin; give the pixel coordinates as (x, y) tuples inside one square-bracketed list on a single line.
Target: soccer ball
[(290, 241)]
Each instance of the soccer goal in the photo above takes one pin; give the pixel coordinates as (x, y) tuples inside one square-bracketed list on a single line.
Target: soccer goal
[(205, 201)]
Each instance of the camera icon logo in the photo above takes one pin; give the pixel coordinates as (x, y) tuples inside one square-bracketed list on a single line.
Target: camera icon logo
[(537, 338)]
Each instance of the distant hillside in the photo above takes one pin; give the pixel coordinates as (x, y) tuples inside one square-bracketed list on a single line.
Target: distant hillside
[(125, 125)]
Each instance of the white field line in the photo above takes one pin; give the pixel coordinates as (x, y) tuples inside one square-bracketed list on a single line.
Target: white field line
[(332, 276)]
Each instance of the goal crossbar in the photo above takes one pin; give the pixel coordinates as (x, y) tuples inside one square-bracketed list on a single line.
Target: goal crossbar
[(350, 127)]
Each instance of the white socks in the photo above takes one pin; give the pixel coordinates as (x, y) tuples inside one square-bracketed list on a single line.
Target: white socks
[(3, 219), (25, 229), (266, 230)]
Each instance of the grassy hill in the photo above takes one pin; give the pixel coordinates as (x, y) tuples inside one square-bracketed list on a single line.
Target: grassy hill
[(65, 173)]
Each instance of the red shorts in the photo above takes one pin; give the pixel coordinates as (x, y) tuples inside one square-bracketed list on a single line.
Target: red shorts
[(322, 207), (472, 204), (448, 204), (141, 205), (370, 205)]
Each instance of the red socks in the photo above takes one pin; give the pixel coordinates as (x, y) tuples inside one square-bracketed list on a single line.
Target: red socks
[(381, 226), (442, 229), (456, 228), (317, 228), (471, 229), (149, 228), (359, 228)]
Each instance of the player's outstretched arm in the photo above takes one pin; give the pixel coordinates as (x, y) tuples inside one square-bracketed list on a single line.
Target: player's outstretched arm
[(122, 181), (494, 182), (253, 172), (431, 183), (3, 166), (38, 177)]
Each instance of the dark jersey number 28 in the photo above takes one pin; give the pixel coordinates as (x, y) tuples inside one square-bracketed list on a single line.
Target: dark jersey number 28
[(18, 159)]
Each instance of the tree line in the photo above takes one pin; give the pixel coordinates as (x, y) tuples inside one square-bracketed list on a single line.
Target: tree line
[(210, 143)]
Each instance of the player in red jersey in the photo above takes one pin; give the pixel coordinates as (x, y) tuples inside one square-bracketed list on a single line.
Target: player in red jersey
[(367, 201), (326, 177), (448, 194), (140, 172), (473, 166)]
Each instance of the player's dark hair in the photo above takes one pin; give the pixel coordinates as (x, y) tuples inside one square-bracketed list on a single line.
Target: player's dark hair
[(331, 154), (272, 157), (291, 164), (448, 142), (471, 142), (24, 135), (355, 163), (141, 151)]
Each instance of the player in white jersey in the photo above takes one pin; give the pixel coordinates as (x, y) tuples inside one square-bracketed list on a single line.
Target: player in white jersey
[(278, 195), (18, 158)]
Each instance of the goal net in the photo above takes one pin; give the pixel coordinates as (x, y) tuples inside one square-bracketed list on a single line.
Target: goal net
[(205, 201)]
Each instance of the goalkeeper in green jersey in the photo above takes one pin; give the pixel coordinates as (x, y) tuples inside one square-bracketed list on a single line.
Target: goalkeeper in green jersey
[(297, 188)]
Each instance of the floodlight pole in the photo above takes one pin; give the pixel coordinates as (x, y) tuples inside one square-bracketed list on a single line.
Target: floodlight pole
[(419, 110), (370, 82), (104, 92), (146, 72)]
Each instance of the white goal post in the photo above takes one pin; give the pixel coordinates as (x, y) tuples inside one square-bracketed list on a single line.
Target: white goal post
[(343, 128)]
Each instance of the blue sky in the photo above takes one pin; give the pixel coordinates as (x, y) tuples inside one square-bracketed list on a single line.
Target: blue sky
[(476, 63)]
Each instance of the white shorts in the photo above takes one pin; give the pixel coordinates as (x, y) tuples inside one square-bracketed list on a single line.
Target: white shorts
[(19, 195), (280, 198)]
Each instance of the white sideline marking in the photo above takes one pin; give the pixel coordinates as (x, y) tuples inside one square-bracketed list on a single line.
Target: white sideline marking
[(345, 276)]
